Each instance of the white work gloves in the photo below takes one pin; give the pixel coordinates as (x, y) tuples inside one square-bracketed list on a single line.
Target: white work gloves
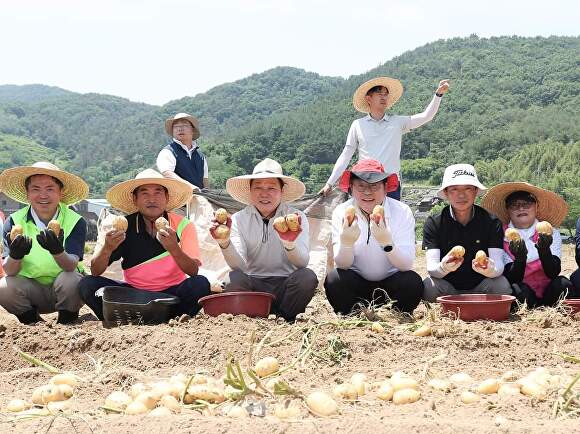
[(488, 271), (349, 234), (450, 263), (381, 232)]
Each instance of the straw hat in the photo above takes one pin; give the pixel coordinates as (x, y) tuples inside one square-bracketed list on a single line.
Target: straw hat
[(392, 84), (239, 186), (194, 122), (551, 207), (459, 174), (120, 196), (12, 182)]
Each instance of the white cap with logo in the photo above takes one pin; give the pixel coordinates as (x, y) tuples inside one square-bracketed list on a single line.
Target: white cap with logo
[(460, 174)]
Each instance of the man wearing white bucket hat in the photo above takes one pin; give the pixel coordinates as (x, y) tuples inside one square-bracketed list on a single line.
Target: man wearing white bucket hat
[(455, 238), (182, 159), (378, 136), (43, 263), (267, 246), (158, 248)]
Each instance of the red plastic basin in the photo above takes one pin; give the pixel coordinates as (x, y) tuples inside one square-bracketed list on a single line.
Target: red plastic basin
[(252, 304), (574, 304), (473, 307)]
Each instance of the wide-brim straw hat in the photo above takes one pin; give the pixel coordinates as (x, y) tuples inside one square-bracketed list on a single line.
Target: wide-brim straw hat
[(394, 86), (12, 182), (194, 122), (239, 186), (550, 206), (460, 174), (120, 196)]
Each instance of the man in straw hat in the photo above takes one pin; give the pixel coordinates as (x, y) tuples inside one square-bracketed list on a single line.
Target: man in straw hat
[(263, 253), (43, 264), (374, 249), (182, 159), (155, 256), (461, 270), (532, 258), (377, 135)]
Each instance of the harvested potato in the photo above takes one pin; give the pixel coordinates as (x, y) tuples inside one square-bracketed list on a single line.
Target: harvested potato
[(544, 228), (406, 396), (137, 389), (512, 234), (533, 390), (345, 391), (65, 390), (424, 330), (162, 388), (349, 214), (238, 412), (117, 400), (377, 327), (222, 232), (359, 381), (120, 223), (293, 222), (385, 391), (161, 223), (510, 376), (15, 231), (70, 379), (457, 252), (508, 389), (267, 366), (461, 378), (400, 383), (280, 224), (378, 213), (54, 226), (51, 392), (160, 412), (136, 407), (148, 400), (287, 410), (488, 387), (171, 403), (469, 397), (320, 404), (16, 405), (205, 392), (481, 258), (221, 216)]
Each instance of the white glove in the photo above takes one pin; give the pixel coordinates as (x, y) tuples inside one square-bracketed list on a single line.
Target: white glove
[(488, 271), (288, 245), (448, 266), (381, 232), (349, 234)]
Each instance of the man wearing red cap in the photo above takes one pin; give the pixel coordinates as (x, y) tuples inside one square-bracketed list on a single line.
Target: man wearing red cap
[(373, 262)]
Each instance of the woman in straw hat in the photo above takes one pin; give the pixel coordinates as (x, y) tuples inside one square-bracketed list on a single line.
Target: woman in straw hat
[(263, 248), (43, 263), (158, 248), (532, 259), (377, 135)]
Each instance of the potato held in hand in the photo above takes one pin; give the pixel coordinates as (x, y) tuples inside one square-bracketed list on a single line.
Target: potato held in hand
[(544, 228), (120, 223), (15, 231), (280, 224), (349, 214), (161, 223), (293, 222), (222, 232), (221, 216), (512, 234), (481, 258), (457, 252), (54, 226), (378, 213)]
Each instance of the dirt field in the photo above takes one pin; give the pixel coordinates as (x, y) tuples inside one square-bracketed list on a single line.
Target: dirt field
[(114, 359)]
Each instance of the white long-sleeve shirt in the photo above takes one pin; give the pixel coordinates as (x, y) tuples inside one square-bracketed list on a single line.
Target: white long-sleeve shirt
[(381, 139), (367, 257)]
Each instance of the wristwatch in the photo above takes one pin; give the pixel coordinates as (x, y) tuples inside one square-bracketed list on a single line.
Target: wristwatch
[(388, 248)]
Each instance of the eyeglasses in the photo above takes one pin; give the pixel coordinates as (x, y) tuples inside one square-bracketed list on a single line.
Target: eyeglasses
[(520, 204), (361, 188)]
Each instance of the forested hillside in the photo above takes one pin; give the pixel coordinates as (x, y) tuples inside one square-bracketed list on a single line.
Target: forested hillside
[(512, 107)]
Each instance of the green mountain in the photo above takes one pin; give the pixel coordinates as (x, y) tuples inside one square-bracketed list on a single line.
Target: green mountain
[(507, 94)]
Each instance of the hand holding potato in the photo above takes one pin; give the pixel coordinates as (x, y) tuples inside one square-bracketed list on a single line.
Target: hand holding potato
[(349, 234), (288, 229), (381, 232), (451, 261), (220, 229), (443, 87)]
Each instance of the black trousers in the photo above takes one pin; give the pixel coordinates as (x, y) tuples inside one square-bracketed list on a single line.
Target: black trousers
[(575, 279), (552, 292), (189, 292), (345, 289)]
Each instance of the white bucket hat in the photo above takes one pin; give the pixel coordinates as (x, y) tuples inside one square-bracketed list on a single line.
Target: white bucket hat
[(193, 121), (239, 186), (460, 174)]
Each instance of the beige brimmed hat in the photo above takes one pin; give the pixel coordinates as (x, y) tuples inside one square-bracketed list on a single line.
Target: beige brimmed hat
[(239, 186), (460, 174), (392, 84), (120, 196), (12, 182), (178, 116), (551, 207)]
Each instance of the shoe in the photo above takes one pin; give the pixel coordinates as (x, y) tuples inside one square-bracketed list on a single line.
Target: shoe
[(29, 317), (67, 317)]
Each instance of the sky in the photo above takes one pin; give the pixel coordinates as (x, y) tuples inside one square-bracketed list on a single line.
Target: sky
[(155, 51)]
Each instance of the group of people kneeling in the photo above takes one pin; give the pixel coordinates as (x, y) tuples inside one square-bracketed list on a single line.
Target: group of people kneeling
[(266, 244)]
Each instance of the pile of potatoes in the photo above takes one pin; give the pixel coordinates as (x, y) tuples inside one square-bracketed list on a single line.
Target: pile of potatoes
[(51, 398)]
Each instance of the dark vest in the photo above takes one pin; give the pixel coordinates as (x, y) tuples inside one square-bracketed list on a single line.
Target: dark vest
[(189, 169)]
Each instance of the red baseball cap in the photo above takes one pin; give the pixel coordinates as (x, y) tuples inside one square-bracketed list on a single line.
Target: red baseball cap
[(371, 171)]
